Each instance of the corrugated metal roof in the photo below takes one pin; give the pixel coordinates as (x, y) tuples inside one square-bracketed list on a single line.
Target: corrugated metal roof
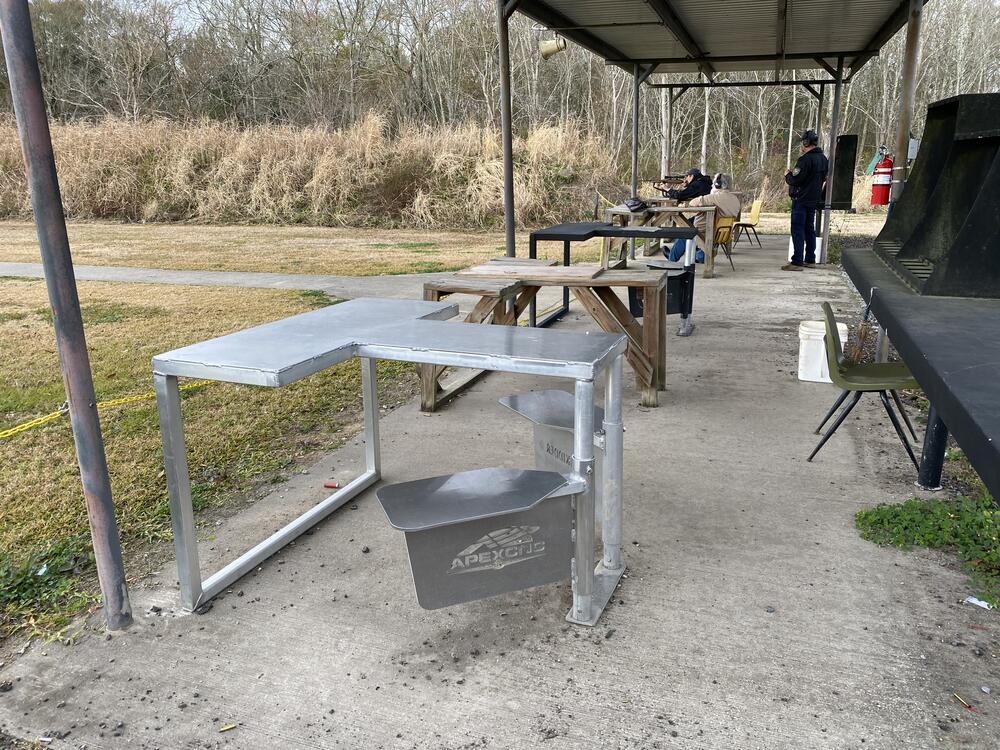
[(626, 31)]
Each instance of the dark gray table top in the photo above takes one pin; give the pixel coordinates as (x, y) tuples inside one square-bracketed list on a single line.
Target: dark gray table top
[(585, 230), (952, 347)]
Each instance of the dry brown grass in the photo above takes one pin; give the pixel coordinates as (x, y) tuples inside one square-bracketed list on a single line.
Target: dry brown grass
[(365, 175), (318, 250), (859, 225), (236, 435)]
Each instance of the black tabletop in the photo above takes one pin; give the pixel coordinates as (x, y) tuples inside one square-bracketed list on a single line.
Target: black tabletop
[(952, 347), (585, 230)]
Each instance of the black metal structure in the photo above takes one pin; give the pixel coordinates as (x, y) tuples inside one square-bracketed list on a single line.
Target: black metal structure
[(950, 345), (943, 237)]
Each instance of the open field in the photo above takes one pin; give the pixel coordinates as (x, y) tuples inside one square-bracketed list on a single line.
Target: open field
[(319, 250), (238, 437)]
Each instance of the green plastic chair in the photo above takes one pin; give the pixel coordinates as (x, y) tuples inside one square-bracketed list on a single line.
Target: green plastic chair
[(884, 378)]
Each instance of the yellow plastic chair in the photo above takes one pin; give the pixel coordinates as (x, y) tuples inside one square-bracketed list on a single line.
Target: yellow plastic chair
[(724, 236), (750, 225)]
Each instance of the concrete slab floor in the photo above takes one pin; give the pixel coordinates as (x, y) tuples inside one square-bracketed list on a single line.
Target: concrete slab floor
[(753, 615)]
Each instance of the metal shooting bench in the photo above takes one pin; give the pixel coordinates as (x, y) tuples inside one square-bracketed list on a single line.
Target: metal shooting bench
[(543, 518)]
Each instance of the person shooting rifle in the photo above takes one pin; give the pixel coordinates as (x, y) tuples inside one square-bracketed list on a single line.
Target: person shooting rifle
[(694, 184)]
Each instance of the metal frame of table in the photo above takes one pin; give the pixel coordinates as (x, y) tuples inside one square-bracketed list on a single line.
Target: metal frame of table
[(285, 351)]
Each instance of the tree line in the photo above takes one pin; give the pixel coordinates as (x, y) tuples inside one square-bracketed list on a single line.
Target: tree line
[(331, 62)]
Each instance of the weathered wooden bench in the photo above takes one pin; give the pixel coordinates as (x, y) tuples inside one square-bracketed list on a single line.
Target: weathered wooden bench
[(501, 301)]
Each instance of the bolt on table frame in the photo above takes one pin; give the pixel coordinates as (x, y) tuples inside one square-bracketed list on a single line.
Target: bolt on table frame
[(279, 353)]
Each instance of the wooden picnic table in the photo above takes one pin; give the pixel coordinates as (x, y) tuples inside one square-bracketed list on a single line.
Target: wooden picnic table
[(679, 216), (646, 350), (584, 230)]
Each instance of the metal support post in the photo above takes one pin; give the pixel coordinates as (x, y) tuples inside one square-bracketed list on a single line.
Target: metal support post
[(613, 469), (583, 469), (175, 465), (932, 455), (667, 169), (46, 203), (834, 124), (635, 130), (635, 145), (819, 131), (506, 128), (907, 95), (369, 395)]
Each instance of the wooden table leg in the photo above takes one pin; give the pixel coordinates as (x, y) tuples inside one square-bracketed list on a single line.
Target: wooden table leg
[(429, 373)]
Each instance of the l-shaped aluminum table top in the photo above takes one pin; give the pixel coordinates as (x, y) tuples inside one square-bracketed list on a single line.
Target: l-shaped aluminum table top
[(276, 354)]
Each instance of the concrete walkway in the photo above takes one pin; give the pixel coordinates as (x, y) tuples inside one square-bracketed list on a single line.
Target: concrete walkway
[(753, 615), (408, 286)]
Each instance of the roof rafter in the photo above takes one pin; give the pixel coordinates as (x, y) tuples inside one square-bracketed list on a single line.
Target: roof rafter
[(887, 31), (780, 36), (672, 21), (735, 58)]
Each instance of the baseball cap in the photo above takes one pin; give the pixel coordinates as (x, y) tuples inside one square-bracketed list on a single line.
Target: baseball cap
[(694, 172)]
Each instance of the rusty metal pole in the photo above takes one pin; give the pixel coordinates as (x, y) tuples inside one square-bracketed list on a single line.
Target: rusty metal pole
[(832, 150), (907, 96), (506, 127), (46, 202)]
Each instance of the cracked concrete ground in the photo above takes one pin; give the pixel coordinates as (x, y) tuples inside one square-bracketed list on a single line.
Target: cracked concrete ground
[(753, 615)]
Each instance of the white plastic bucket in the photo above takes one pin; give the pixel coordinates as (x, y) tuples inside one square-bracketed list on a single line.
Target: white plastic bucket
[(812, 350), (819, 249)]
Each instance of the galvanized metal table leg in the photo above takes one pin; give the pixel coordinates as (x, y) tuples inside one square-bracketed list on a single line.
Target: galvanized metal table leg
[(369, 393), (583, 468), (168, 402), (194, 590), (613, 468), (594, 587)]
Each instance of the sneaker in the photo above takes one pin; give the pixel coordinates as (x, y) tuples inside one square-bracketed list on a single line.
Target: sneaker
[(791, 267)]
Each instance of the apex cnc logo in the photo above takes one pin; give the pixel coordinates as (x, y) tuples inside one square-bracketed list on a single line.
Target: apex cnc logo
[(498, 549)]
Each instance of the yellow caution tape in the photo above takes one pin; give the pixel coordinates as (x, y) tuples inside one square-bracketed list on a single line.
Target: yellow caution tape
[(64, 409)]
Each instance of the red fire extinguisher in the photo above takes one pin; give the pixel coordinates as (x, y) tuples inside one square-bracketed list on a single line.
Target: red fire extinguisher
[(882, 179)]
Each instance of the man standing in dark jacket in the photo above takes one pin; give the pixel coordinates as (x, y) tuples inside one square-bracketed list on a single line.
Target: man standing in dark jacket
[(695, 184), (805, 187)]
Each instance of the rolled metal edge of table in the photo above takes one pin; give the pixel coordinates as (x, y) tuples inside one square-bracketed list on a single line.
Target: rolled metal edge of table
[(497, 363)]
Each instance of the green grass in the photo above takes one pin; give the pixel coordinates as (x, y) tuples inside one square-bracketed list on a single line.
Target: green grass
[(240, 439), (107, 312), (968, 526), (402, 245)]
